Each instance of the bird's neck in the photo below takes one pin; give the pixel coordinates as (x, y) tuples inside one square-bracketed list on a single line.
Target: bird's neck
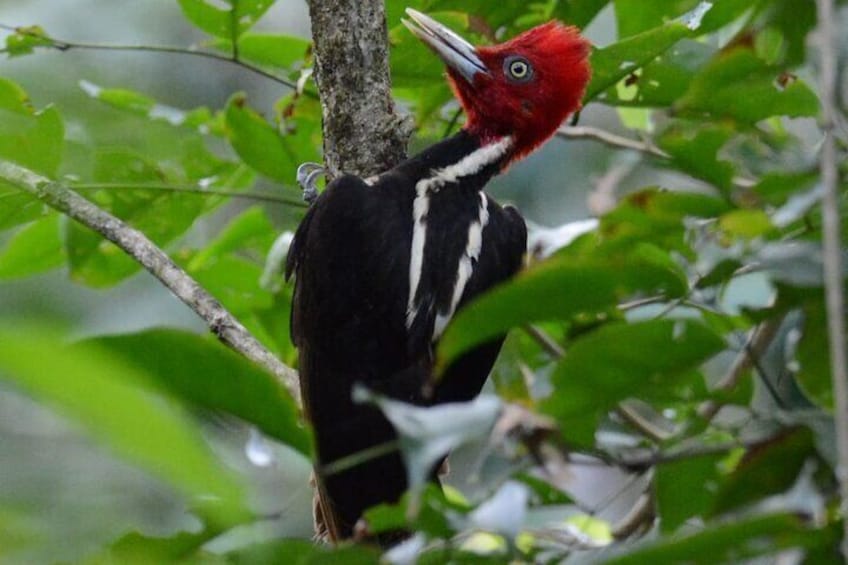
[(464, 160)]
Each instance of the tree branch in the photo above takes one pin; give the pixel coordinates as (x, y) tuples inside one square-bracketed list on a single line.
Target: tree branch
[(362, 133), (619, 142), (192, 189), (611, 140), (833, 249), (137, 245), (63, 45)]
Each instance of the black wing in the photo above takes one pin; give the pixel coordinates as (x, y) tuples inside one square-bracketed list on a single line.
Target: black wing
[(348, 323), (504, 245)]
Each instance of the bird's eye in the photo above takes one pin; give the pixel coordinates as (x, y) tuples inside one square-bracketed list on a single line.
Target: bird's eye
[(518, 69)]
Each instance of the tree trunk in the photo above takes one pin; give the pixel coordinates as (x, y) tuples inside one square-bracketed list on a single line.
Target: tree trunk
[(362, 133)]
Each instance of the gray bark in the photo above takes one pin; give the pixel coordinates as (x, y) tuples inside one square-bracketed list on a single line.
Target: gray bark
[(362, 133)]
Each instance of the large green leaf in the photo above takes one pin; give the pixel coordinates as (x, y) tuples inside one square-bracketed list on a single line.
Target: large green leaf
[(33, 249), (696, 152), (657, 216), (765, 470), (30, 138), (161, 215), (304, 552), (663, 80), (228, 23), (738, 85), (731, 542), (636, 16), (264, 147), (559, 290), (119, 405), (279, 51), (614, 62), (143, 105), (685, 489), (412, 64), (579, 12), (619, 361), (251, 232), (813, 356), (203, 372)]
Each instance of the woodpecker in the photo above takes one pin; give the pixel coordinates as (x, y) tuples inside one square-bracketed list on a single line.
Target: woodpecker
[(382, 264)]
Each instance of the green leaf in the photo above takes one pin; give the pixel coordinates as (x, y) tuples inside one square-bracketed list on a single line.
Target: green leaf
[(778, 187), (435, 513), (745, 223), (731, 542), (226, 23), (794, 19), (767, 469), (813, 356), (24, 40), (412, 64), (657, 216), (17, 207), (161, 215), (258, 143), (304, 552), (738, 85), (235, 282), (637, 16), (30, 138), (696, 153), (145, 106), (278, 51), (614, 62), (205, 373), (620, 360), (34, 249), (685, 489), (250, 231), (138, 548), (579, 12), (663, 80), (559, 290), (118, 405)]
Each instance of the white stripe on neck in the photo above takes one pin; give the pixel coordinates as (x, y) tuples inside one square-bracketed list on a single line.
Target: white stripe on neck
[(469, 165), (466, 265)]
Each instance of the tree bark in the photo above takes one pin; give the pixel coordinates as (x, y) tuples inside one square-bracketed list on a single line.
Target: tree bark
[(362, 133)]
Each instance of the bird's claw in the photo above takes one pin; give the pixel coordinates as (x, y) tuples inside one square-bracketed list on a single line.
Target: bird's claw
[(307, 178)]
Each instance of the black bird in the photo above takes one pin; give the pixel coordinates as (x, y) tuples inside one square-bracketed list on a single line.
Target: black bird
[(382, 264)]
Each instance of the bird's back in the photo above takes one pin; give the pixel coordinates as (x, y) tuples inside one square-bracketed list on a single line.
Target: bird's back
[(351, 316)]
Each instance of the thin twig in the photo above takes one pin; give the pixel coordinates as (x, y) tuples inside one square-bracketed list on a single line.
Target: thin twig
[(620, 142), (360, 457), (833, 249), (229, 330), (756, 345), (193, 189), (547, 343), (64, 45), (611, 139)]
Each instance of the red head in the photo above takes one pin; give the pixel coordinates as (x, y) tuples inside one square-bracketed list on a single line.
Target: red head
[(523, 88)]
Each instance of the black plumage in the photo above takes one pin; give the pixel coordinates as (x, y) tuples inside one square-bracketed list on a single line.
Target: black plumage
[(351, 316)]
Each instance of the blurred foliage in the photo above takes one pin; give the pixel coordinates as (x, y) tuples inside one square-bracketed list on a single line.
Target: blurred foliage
[(644, 372)]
